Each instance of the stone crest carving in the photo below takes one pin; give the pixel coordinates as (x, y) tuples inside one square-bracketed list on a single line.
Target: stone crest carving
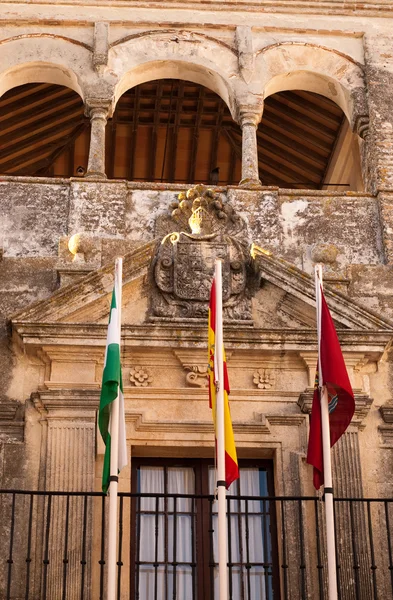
[(201, 228)]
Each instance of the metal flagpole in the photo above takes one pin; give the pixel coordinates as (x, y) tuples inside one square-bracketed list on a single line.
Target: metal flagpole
[(327, 464), (113, 479), (221, 491)]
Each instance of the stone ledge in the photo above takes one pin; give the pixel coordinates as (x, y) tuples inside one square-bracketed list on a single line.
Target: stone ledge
[(12, 422)]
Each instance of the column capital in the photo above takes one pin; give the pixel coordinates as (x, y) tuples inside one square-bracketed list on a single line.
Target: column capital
[(249, 114), (98, 107), (67, 404)]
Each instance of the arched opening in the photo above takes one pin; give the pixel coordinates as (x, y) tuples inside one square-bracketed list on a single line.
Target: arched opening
[(172, 130), (44, 131), (305, 142)]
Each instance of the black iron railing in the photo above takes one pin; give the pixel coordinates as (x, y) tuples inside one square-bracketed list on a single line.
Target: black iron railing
[(53, 547)]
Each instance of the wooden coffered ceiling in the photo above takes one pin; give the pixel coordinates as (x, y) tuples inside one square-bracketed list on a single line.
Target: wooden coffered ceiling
[(168, 130)]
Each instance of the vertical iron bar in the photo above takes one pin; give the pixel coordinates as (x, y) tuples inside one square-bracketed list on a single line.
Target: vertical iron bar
[(83, 557), (241, 549), (138, 547), (248, 565), (174, 545), (284, 565), (65, 557), (156, 550), (356, 565), (319, 562), (46, 551), (265, 550), (166, 527), (120, 548), (373, 565), (212, 563), (389, 543), (229, 529), (338, 566), (10, 560), (302, 554), (28, 558), (102, 559), (193, 556)]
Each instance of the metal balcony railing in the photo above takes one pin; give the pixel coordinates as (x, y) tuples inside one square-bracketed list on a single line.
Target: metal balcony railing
[(53, 546)]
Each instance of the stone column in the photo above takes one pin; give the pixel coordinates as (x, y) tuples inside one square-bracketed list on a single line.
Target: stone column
[(68, 457), (98, 110), (249, 117)]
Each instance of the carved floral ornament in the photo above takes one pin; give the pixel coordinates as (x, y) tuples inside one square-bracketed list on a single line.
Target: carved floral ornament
[(140, 377), (183, 267), (264, 379)]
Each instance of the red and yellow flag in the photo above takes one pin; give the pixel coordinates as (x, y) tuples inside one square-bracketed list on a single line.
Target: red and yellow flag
[(231, 466)]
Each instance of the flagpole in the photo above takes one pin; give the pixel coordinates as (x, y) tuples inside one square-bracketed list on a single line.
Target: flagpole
[(327, 464), (221, 489), (113, 481)]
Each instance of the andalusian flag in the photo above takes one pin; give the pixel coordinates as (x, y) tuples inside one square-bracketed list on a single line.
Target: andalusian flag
[(112, 388), (231, 466)]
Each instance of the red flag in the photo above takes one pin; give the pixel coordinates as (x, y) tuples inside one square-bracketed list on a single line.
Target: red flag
[(341, 399)]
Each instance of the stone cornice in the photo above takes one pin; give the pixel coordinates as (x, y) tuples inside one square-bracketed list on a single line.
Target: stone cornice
[(363, 404), (377, 8), (11, 422), (194, 335)]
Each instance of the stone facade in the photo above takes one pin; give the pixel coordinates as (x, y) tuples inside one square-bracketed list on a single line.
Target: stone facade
[(59, 238)]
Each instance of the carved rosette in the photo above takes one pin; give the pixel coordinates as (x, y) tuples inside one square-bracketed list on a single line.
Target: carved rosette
[(264, 379), (140, 377), (183, 268)]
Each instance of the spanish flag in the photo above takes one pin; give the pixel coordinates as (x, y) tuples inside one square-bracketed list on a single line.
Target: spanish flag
[(231, 466)]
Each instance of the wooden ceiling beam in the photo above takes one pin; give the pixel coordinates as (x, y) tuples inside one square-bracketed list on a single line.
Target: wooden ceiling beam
[(269, 148), (266, 134), (41, 138), (175, 132), (134, 131), (48, 110), (16, 95), (195, 137), (307, 108), (154, 135), (287, 115), (36, 103), (296, 134), (68, 143), (216, 137), (23, 130), (288, 173)]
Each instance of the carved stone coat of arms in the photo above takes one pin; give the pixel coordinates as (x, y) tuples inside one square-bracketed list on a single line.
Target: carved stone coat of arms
[(183, 267)]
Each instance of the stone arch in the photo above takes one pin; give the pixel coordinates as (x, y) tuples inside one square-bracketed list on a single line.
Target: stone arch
[(176, 55), (58, 61), (308, 67)]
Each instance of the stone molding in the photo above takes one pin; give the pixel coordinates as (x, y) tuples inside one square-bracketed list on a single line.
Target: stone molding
[(11, 422), (386, 430), (67, 404), (363, 404)]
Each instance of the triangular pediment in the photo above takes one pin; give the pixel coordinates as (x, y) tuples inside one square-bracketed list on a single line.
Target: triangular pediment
[(284, 302)]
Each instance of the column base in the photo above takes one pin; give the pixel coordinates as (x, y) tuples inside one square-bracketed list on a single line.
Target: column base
[(95, 175), (253, 184)]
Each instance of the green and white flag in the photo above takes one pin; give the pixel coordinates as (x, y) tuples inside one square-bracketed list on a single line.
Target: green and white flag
[(112, 388)]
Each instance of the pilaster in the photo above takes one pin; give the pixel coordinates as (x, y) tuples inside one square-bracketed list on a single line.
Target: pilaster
[(69, 416)]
